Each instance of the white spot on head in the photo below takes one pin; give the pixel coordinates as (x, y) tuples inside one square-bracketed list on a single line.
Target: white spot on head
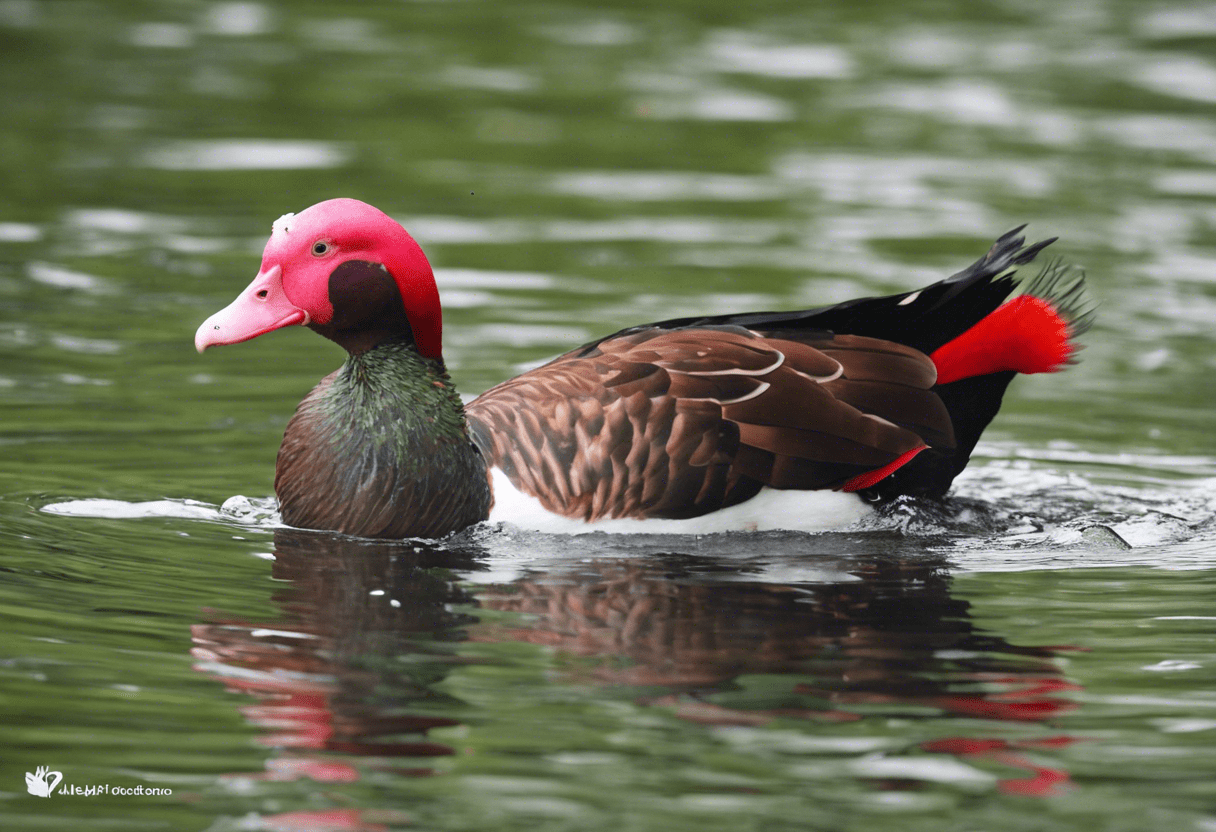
[(283, 224), (909, 299)]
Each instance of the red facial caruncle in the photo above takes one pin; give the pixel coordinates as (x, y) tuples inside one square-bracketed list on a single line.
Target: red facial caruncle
[(292, 286)]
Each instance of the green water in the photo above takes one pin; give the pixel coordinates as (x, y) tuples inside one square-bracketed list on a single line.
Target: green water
[(1037, 655)]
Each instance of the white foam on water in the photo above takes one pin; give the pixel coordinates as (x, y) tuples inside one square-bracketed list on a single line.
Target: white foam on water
[(258, 512), (122, 510)]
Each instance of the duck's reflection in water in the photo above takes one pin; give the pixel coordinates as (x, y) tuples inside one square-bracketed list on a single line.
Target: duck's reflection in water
[(346, 677), (349, 667), (890, 639)]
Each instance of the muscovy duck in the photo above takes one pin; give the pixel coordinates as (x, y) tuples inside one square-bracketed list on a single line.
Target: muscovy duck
[(692, 424)]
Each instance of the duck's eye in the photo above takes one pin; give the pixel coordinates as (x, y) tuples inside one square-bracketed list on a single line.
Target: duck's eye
[(320, 248)]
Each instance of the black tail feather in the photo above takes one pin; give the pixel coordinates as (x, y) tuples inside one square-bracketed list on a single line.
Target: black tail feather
[(1064, 286), (923, 319), (974, 402)]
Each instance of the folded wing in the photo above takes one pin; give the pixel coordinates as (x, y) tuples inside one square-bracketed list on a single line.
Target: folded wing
[(680, 422)]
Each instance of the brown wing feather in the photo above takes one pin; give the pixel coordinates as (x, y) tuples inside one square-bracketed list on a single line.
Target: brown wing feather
[(678, 423)]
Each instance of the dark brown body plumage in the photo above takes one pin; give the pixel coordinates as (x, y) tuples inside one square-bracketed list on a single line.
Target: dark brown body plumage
[(678, 423), (675, 419)]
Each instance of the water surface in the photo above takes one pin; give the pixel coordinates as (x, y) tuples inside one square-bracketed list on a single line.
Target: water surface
[(1037, 653)]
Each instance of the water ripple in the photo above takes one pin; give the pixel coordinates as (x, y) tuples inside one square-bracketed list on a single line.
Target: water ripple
[(245, 154)]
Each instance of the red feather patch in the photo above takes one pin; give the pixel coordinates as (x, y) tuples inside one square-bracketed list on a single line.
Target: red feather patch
[(871, 477), (1026, 334)]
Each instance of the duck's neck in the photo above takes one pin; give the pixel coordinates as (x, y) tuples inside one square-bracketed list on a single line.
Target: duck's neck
[(380, 449)]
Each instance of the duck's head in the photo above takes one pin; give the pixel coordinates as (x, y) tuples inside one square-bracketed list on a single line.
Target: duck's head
[(344, 269)]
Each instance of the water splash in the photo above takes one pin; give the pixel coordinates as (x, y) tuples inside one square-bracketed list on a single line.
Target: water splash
[(258, 512), (1008, 515)]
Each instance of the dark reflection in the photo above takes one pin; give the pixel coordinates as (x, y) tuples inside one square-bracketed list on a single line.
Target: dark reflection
[(349, 667), (891, 638), (346, 677)]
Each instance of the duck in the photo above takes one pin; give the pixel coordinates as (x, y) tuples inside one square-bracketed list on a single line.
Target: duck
[(734, 422)]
